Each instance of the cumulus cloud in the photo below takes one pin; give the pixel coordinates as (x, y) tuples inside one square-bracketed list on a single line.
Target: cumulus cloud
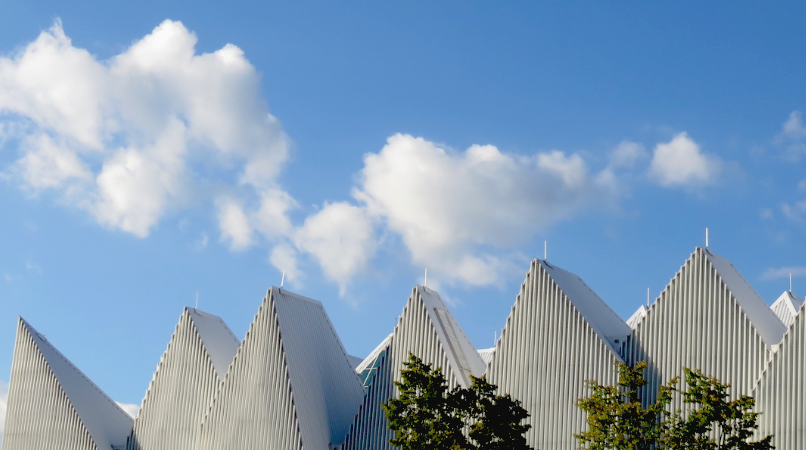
[(793, 136), (341, 238), (129, 408), (681, 163), (119, 137), (627, 154), (456, 210)]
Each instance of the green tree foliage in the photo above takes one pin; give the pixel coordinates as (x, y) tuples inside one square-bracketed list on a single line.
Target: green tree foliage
[(712, 422), (427, 415), (618, 421)]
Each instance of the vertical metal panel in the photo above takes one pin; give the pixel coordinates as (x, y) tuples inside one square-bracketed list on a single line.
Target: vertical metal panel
[(781, 390), (181, 391), (428, 330), (544, 355), (39, 414), (698, 322)]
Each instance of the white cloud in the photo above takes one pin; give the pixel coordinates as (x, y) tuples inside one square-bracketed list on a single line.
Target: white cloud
[(627, 154), (284, 258), (454, 211), (129, 408), (793, 136), (783, 272), (234, 224), (123, 138), (680, 162), (341, 238)]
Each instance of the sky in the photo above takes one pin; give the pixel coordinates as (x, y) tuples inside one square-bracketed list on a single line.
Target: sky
[(156, 153)]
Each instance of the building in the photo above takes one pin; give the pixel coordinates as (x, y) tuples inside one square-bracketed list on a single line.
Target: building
[(289, 384)]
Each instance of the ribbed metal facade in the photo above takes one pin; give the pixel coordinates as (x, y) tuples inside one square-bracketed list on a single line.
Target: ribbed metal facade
[(427, 329), (289, 385), (781, 391), (183, 387), (700, 321), (543, 357), (52, 405)]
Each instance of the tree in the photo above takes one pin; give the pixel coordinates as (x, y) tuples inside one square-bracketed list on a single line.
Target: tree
[(713, 423), (617, 419), (429, 416)]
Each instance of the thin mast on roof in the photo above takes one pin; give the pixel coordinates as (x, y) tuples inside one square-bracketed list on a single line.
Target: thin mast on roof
[(425, 280), (282, 280), (545, 249), (706, 237), (647, 297), (197, 300)]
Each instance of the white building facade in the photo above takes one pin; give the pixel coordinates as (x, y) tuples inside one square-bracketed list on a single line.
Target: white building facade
[(290, 384)]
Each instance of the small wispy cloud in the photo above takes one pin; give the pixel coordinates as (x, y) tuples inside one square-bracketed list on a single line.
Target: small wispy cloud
[(33, 267), (129, 408), (783, 272)]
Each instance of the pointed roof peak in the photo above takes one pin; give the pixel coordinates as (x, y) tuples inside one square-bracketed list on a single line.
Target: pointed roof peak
[(769, 326), (460, 350), (596, 312), (786, 307), (104, 419), (219, 341)]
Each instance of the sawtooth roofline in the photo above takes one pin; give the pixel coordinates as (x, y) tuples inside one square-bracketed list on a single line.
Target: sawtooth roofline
[(290, 384)]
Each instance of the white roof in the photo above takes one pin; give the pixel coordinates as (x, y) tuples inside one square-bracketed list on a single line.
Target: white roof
[(487, 354), (106, 422), (459, 350), (218, 339), (327, 391), (769, 327), (637, 317), (601, 318), (786, 307), (374, 354)]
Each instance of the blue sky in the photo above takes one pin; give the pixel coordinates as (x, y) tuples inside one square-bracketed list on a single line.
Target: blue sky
[(354, 145)]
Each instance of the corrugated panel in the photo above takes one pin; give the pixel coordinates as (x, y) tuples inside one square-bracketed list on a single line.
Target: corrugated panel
[(697, 322), (786, 308), (544, 355), (39, 414), (290, 385), (427, 329), (781, 391), (254, 408), (184, 384)]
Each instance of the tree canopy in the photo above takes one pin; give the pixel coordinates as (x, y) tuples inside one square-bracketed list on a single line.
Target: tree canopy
[(427, 415), (617, 419)]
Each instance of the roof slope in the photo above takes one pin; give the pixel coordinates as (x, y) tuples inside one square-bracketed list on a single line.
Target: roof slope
[(427, 329), (558, 335), (184, 383), (289, 385), (764, 320), (708, 317), (596, 312), (637, 317), (786, 308), (45, 383)]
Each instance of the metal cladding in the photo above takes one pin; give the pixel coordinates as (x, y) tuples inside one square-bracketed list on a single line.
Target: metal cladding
[(184, 384), (558, 335), (52, 405), (427, 329), (290, 385), (781, 390), (708, 318)]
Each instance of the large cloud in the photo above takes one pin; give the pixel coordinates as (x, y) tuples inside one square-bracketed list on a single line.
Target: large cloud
[(118, 137), (680, 162), (456, 211)]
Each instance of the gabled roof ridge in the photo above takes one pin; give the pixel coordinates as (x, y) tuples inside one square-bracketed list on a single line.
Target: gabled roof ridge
[(71, 392), (761, 317), (216, 338), (596, 312)]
